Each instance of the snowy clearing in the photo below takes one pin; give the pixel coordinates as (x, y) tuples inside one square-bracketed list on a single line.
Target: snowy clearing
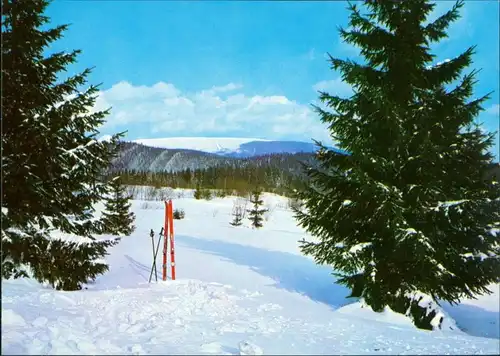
[(238, 291)]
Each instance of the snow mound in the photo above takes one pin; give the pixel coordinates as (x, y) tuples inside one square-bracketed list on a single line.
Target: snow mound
[(105, 138), (361, 310), (195, 317), (247, 348), (156, 319)]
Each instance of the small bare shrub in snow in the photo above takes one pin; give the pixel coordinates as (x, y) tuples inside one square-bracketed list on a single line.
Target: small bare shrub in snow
[(237, 216), (269, 211), (139, 193), (165, 194), (151, 206), (152, 193), (132, 191), (220, 193), (241, 202), (282, 205), (294, 204), (161, 194), (179, 214), (208, 194)]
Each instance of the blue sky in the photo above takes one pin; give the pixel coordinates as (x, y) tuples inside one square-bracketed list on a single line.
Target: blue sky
[(236, 69)]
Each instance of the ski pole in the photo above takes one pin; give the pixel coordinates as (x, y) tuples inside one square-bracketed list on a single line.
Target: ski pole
[(155, 254), (152, 234), (158, 249)]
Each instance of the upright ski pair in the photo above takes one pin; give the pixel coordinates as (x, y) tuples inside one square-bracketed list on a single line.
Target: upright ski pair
[(167, 232), (169, 235)]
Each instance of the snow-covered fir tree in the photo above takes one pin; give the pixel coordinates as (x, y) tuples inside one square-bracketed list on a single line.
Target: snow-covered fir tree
[(255, 214), (117, 219), (410, 213), (51, 157)]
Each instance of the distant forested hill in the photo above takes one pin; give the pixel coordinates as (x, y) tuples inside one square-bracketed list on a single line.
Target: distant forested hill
[(144, 165), (180, 168)]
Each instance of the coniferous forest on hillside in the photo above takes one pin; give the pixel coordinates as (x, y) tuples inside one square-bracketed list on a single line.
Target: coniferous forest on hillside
[(275, 173), (283, 173)]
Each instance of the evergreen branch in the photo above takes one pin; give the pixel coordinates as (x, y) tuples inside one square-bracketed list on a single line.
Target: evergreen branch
[(435, 31), (449, 71)]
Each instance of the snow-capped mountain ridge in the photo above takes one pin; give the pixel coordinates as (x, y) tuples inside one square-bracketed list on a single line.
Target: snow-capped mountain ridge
[(231, 146), (204, 144)]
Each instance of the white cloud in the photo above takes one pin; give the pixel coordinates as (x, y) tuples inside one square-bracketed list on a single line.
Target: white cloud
[(125, 91), (493, 109), (162, 109), (334, 87), (226, 88), (263, 101), (101, 104)]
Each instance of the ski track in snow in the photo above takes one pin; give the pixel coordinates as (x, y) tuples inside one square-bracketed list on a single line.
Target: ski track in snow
[(239, 291)]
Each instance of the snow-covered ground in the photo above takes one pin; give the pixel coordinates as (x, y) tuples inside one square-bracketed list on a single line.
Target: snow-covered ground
[(238, 291)]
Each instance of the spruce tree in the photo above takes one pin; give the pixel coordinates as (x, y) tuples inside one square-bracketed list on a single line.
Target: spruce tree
[(407, 214), (255, 214), (117, 219), (51, 157)]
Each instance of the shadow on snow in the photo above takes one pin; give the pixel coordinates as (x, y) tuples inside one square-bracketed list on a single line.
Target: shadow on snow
[(299, 274), (291, 272), (145, 271), (480, 322)]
